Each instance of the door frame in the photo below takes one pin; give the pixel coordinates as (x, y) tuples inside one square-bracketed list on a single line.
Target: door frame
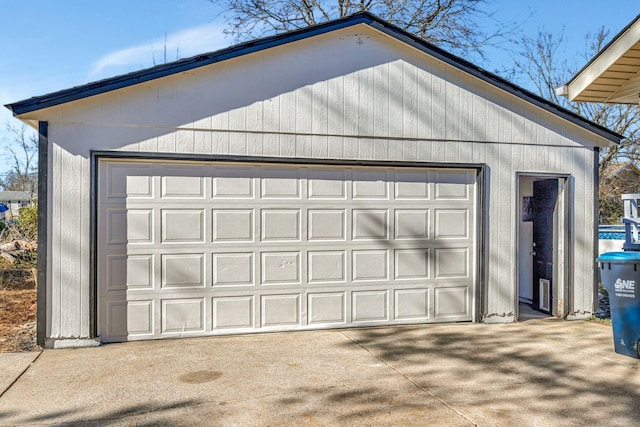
[(562, 234)]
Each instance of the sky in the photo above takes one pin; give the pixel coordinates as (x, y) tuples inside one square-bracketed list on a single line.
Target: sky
[(49, 45)]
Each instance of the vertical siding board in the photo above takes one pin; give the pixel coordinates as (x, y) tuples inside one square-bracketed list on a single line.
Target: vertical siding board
[(494, 267), (580, 226), (365, 149), (271, 125), (493, 122), (424, 100), (85, 237), (203, 142), (304, 110), (452, 111), (237, 140), (466, 152), (466, 115), (57, 200), (396, 150), (335, 147), (219, 136), (479, 115), (185, 141), (350, 98), (409, 99), (517, 158), (335, 106), (167, 142), (438, 108), (288, 123), (506, 229), (382, 94), (365, 102), (70, 256), (397, 93)]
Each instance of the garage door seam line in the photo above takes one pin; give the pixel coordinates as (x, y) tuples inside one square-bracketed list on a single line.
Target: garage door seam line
[(408, 378)]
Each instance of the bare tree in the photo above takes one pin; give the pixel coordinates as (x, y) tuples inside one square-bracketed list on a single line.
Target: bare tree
[(539, 65), (451, 24), (20, 150)]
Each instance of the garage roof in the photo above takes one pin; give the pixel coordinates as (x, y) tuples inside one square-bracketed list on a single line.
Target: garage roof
[(136, 77), (613, 75)]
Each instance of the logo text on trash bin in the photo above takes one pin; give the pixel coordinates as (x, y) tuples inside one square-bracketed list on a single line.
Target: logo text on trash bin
[(625, 288)]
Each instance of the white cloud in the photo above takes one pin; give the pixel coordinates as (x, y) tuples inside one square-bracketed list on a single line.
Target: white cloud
[(181, 44)]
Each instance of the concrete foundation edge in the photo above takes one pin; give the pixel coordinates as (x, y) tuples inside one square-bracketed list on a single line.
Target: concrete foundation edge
[(579, 316), (72, 342), (499, 318)]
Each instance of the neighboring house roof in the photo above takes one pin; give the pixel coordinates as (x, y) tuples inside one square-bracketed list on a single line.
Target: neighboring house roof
[(613, 75), (15, 196), (56, 98), (614, 169)]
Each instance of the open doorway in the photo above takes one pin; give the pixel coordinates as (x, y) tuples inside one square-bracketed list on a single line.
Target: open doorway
[(541, 236)]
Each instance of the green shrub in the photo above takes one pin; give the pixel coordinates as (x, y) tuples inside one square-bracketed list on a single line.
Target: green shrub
[(28, 222)]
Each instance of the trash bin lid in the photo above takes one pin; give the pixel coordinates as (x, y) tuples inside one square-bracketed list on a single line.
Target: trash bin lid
[(619, 257)]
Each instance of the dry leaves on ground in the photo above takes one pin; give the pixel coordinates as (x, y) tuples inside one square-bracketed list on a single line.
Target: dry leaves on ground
[(17, 313)]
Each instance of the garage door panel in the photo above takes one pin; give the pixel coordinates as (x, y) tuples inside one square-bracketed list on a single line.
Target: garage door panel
[(233, 225), (411, 304), (124, 181), (411, 264), (327, 224), (233, 269), (233, 312), (327, 308), (451, 223), (183, 270), (411, 224), (451, 302), (191, 187), (280, 225), (368, 184), (280, 268), (369, 224), (208, 248), (453, 185), (140, 317), (452, 263), (370, 306), (234, 184), (280, 310), (327, 184), (370, 265), (282, 183), (183, 225), (412, 186), (183, 315), (327, 267), (138, 225)]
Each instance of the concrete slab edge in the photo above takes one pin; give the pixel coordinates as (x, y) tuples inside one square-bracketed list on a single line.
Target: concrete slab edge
[(21, 373), (499, 318), (72, 342)]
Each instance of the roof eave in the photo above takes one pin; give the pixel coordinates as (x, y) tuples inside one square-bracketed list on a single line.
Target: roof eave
[(118, 82), (601, 62)]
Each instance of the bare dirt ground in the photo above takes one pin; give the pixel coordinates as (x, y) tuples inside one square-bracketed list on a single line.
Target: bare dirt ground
[(17, 311)]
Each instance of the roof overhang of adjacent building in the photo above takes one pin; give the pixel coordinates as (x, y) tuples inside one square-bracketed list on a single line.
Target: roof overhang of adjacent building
[(613, 75), (22, 108)]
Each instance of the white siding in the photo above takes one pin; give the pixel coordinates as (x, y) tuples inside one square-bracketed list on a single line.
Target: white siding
[(352, 94)]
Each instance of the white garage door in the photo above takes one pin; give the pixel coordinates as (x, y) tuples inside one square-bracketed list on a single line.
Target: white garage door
[(196, 248)]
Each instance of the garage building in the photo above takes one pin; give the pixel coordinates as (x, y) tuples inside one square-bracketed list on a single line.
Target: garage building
[(343, 175)]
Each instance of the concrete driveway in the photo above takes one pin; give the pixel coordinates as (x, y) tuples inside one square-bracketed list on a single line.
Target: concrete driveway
[(540, 372)]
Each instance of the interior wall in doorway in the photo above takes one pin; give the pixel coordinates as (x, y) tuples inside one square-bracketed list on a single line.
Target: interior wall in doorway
[(525, 241)]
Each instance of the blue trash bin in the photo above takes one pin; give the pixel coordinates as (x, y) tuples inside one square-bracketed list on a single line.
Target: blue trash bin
[(620, 275)]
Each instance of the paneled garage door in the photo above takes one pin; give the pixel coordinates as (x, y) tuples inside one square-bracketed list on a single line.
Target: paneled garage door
[(196, 248)]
